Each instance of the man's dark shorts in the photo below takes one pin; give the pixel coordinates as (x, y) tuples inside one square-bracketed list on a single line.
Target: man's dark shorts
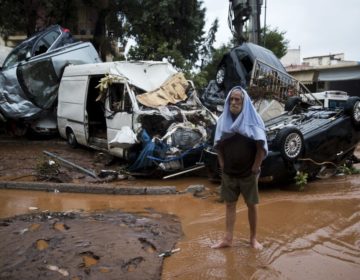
[(231, 187)]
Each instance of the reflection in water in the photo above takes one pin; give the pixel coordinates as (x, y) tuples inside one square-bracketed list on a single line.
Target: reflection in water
[(313, 234)]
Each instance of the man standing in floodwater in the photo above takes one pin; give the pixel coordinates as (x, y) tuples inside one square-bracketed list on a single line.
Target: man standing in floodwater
[(240, 141)]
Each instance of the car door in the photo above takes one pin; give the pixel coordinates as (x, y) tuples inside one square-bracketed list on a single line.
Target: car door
[(119, 111)]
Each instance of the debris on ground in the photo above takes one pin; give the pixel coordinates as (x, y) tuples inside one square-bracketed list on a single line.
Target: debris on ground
[(100, 245)]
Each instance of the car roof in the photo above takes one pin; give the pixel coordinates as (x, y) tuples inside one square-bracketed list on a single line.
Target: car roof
[(39, 33), (259, 52), (146, 75)]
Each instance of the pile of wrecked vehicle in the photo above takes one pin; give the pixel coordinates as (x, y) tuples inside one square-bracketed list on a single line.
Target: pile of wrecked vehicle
[(30, 76), (306, 132), (144, 112), (148, 114)]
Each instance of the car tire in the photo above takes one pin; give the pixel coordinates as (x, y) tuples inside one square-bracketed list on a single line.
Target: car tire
[(71, 139), (352, 108), (292, 102), (290, 142), (220, 76)]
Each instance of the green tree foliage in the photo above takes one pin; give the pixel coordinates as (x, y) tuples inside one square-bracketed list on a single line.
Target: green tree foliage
[(161, 28), (24, 16), (11, 17), (208, 69), (207, 48), (275, 41), (165, 28)]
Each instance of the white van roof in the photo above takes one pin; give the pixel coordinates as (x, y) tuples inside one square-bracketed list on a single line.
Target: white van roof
[(146, 75)]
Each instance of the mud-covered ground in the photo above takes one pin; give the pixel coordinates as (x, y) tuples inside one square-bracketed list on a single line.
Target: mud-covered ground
[(308, 234), (24, 160), (75, 245), (107, 245)]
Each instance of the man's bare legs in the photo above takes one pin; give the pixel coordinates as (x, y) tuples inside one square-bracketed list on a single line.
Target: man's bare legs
[(230, 222), (252, 216)]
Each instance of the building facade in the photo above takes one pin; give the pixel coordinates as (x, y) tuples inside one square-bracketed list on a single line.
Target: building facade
[(328, 72)]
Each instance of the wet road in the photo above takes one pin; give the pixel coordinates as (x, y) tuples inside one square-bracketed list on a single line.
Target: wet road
[(313, 234)]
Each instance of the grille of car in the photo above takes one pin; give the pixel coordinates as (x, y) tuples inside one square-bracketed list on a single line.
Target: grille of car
[(313, 124)]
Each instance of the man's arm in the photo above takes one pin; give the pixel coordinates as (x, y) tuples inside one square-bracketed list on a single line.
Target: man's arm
[(220, 154), (260, 154)]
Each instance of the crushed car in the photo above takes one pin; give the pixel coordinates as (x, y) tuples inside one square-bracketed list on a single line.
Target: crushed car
[(30, 76), (236, 66), (144, 112), (306, 132), (311, 138), (256, 69), (307, 138)]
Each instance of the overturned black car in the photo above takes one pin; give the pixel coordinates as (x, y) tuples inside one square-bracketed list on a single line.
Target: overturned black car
[(311, 139), (307, 139)]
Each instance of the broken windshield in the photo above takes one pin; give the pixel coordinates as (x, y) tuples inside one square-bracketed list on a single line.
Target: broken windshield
[(20, 53)]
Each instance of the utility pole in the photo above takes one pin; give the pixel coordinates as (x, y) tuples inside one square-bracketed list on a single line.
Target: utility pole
[(241, 11)]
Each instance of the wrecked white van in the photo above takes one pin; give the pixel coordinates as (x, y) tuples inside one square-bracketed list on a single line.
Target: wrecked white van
[(144, 112)]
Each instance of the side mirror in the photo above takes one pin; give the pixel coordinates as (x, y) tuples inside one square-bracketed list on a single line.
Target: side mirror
[(28, 55)]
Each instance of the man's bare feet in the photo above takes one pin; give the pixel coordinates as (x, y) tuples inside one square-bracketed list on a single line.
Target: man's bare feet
[(255, 244), (222, 244)]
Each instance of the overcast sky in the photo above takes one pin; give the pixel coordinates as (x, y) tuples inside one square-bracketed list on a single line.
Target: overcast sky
[(319, 27)]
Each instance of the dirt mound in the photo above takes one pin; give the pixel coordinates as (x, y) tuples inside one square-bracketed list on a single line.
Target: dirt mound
[(101, 245)]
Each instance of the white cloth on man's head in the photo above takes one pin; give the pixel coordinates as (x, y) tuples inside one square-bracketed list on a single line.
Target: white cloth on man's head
[(248, 123)]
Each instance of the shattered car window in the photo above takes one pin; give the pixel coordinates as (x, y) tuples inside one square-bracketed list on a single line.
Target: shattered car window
[(119, 98), (44, 44), (19, 54)]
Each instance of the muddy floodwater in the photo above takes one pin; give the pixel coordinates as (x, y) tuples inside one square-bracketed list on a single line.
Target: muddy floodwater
[(314, 234)]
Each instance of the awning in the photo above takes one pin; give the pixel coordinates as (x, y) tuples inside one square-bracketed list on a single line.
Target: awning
[(304, 77), (340, 74)]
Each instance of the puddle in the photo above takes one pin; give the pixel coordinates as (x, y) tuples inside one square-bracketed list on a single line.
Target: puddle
[(42, 244), (89, 259), (60, 227), (86, 246), (314, 234)]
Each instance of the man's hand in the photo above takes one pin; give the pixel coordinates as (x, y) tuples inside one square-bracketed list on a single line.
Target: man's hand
[(255, 169), (260, 153)]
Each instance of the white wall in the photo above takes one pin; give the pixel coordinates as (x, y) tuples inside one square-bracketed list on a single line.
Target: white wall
[(292, 57), (330, 59)]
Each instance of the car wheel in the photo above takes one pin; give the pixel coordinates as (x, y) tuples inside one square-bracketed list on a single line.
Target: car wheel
[(292, 102), (290, 142), (220, 76), (352, 107), (71, 139)]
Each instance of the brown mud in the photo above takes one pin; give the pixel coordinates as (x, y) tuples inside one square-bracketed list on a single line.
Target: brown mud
[(74, 245), (23, 160), (58, 245), (312, 234)]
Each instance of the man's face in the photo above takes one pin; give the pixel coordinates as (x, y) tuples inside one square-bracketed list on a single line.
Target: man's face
[(236, 102)]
